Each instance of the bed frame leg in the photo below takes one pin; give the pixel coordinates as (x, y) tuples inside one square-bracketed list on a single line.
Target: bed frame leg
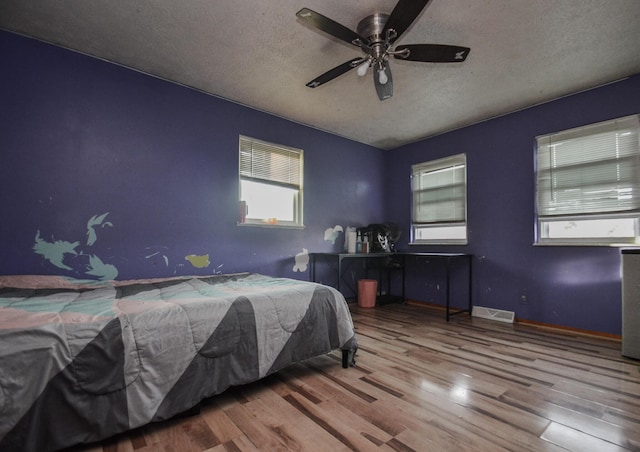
[(348, 358)]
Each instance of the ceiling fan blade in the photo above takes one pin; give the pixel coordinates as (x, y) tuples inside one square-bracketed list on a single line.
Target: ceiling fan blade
[(432, 53), (384, 90), (402, 16), (335, 72), (331, 27)]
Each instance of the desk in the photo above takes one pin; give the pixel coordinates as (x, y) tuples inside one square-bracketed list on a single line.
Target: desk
[(401, 259)]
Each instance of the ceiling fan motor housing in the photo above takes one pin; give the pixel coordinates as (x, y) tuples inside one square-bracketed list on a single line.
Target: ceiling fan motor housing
[(371, 27)]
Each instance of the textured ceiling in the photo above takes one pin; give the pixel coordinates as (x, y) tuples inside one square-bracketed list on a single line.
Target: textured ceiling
[(257, 53)]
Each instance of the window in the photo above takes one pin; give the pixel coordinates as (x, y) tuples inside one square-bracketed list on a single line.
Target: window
[(439, 193), (588, 185), (270, 184)]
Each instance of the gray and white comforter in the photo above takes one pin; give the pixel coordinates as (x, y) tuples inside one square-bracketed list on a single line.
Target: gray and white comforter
[(81, 364)]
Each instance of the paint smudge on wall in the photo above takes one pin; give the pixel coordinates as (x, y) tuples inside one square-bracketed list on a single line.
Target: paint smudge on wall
[(79, 262), (100, 269), (55, 251), (302, 261), (83, 262), (331, 234), (164, 257), (96, 220), (198, 261)]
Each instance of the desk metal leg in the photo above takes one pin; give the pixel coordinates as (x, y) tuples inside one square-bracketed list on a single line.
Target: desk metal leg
[(470, 286), (404, 270), (470, 299), (448, 286)]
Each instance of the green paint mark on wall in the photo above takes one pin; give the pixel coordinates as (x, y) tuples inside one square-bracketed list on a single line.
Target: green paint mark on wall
[(103, 271), (57, 251), (54, 251), (96, 220), (198, 261)]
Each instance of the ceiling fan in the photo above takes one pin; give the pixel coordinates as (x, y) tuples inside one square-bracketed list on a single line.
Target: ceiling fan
[(375, 36)]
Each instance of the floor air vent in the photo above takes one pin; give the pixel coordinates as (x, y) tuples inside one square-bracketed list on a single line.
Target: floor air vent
[(494, 314)]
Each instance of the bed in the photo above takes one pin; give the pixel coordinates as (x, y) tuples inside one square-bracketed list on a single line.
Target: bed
[(80, 362)]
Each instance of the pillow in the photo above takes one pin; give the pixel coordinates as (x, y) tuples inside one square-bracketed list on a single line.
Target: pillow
[(48, 282)]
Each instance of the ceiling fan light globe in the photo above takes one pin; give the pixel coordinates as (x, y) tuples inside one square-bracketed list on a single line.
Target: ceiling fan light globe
[(362, 69), (382, 77)]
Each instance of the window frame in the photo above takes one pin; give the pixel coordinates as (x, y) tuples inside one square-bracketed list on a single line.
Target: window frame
[(594, 140), (246, 144), (444, 228)]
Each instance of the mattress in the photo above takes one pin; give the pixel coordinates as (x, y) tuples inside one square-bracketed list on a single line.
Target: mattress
[(80, 362)]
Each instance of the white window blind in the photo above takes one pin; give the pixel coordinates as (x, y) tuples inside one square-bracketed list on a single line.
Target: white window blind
[(270, 184), (439, 192), (588, 183), (591, 169), (269, 162)]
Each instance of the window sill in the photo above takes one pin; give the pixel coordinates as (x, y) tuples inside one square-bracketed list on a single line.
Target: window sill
[(585, 244), (270, 225), (440, 242)]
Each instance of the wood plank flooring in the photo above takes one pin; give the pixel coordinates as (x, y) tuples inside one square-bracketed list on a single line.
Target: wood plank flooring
[(422, 384)]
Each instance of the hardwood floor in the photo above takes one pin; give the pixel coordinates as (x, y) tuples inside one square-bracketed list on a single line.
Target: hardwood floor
[(426, 385)]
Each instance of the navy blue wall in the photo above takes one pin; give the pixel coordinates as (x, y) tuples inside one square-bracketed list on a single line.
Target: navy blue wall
[(578, 287), (81, 138)]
